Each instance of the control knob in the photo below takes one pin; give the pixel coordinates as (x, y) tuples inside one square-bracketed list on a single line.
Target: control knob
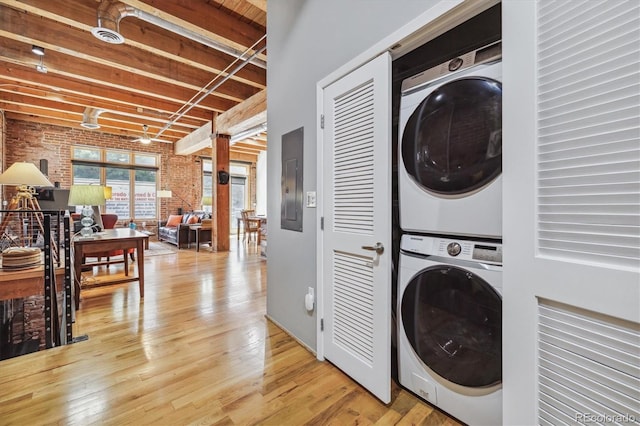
[(454, 249)]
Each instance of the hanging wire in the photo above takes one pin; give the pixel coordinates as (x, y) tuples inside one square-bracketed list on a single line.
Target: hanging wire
[(187, 106)]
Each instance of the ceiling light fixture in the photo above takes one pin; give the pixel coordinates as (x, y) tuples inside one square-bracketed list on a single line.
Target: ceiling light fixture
[(145, 139), (248, 133), (37, 50), (41, 67)]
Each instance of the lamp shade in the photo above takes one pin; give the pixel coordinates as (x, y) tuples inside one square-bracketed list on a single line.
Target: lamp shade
[(22, 173), (86, 195), (207, 200), (108, 192), (163, 194)]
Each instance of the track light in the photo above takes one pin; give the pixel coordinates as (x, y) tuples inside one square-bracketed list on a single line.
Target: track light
[(248, 133), (41, 67), (37, 50)]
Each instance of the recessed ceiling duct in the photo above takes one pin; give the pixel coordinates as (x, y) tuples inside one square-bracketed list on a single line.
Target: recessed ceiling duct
[(111, 13), (90, 118)]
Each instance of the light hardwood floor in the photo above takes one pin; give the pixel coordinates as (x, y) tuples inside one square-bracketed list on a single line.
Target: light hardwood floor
[(197, 350)]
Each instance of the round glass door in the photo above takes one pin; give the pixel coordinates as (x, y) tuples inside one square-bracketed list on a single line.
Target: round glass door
[(453, 320), (452, 143)]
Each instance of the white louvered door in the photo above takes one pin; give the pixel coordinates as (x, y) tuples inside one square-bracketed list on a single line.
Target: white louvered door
[(571, 139), (357, 214)]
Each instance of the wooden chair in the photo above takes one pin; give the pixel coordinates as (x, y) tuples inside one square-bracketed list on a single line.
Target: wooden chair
[(251, 226)]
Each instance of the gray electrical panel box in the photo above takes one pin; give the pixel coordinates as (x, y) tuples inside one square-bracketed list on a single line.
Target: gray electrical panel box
[(291, 183)]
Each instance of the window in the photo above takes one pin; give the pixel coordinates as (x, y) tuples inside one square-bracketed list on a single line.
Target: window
[(239, 191), (207, 183), (126, 173)]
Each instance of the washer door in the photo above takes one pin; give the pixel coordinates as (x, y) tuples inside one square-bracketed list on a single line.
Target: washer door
[(452, 143), (453, 320)]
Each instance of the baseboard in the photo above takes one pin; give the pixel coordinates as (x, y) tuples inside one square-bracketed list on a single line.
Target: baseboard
[(300, 342)]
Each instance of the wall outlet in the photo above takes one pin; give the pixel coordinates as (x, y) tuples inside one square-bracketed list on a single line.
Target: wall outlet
[(309, 299)]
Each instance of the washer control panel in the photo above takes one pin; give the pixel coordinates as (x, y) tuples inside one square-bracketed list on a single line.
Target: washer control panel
[(478, 251)]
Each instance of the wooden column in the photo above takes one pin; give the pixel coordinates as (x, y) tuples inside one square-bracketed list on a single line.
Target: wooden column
[(223, 207)]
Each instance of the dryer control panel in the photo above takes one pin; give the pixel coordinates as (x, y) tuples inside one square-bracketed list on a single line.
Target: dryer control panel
[(477, 251)]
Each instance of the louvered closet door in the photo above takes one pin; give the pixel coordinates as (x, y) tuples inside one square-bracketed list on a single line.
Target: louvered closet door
[(357, 213), (571, 182)]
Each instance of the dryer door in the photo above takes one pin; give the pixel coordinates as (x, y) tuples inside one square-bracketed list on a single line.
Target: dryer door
[(453, 320), (452, 143)]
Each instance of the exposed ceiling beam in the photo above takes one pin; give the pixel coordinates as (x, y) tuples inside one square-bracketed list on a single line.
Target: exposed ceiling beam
[(149, 80), (195, 141), (260, 4), (244, 116)]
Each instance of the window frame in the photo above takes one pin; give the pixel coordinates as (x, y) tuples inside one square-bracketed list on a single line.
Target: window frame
[(131, 164)]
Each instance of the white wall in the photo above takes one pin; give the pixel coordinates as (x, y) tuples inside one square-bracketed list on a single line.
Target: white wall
[(261, 184), (308, 39)]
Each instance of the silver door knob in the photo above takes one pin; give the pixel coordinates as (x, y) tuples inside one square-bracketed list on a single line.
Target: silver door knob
[(378, 248)]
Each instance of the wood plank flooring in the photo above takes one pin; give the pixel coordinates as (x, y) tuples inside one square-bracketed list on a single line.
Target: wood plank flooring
[(197, 350)]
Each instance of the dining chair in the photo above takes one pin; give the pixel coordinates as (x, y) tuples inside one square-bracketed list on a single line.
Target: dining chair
[(251, 226)]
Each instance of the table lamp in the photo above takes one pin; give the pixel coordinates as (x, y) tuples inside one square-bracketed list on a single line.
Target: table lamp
[(25, 176), (108, 192), (86, 196)]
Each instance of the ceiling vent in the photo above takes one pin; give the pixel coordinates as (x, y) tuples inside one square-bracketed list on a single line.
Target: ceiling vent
[(108, 29), (105, 34), (90, 118)]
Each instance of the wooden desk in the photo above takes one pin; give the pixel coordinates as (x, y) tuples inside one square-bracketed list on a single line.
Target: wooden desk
[(25, 283), (107, 240)]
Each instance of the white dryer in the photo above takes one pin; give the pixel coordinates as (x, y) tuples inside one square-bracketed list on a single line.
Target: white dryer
[(450, 147), (450, 325)]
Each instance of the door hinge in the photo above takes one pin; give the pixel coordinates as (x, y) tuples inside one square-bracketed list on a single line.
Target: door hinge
[(322, 223), (321, 324), (322, 121)]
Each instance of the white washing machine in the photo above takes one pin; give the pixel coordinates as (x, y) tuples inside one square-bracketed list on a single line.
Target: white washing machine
[(450, 147), (449, 332)]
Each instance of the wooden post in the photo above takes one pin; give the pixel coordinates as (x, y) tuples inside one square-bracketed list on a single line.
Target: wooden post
[(222, 207)]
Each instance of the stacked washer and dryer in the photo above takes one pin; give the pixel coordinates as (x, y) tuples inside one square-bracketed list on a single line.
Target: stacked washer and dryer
[(450, 274)]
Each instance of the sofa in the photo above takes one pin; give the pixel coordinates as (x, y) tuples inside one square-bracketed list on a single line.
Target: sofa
[(175, 229)]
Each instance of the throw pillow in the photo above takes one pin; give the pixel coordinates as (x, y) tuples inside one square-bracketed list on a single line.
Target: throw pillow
[(193, 220), (174, 220)]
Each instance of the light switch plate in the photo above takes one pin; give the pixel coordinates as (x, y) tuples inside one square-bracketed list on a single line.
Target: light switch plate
[(311, 199)]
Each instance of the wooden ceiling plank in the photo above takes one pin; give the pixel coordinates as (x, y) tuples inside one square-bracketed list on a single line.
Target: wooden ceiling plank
[(149, 38), (82, 46), (201, 18), (59, 102), (66, 118), (146, 80), (241, 156), (95, 96), (115, 79)]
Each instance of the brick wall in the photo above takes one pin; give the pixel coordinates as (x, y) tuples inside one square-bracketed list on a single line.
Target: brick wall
[(28, 141)]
